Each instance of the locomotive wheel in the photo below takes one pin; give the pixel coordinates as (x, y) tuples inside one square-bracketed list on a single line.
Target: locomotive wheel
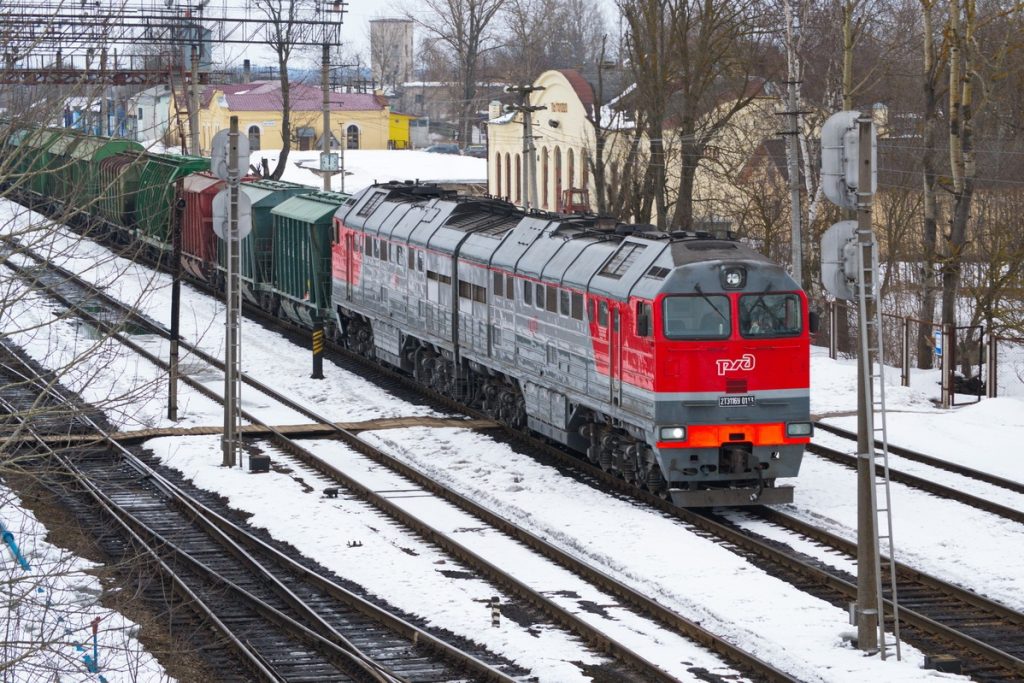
[(656, 483), (628, 466)]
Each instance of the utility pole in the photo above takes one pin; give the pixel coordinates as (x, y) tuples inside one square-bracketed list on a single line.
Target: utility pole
[(529, 169), (193, 111), (326, 137), (104, 123), (792, 164), (179, 208)]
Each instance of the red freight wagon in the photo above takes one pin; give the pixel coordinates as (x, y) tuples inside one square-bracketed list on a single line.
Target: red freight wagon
[(198, 243)]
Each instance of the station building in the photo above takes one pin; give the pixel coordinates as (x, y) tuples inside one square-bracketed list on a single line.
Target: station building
[(565, 144), (357, 120)]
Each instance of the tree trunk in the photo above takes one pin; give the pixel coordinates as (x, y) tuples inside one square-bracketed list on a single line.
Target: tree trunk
[(286, 122), (929, 236)]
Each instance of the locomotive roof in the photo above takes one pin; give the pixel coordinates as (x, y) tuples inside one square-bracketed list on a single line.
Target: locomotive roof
[(582, 252)]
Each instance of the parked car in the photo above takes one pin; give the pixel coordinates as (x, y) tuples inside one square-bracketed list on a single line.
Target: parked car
[(479, 151), (444, 148)]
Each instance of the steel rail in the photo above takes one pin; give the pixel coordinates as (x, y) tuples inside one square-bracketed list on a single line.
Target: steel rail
[(598, 639), (921, 483), (329, 638), (1008, 615), (243, 650), (988, 478)]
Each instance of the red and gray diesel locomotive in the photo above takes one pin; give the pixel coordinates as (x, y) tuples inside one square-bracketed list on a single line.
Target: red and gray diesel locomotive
[(678, 360)]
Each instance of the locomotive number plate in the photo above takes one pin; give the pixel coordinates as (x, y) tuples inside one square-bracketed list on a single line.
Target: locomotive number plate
[(730, 401)]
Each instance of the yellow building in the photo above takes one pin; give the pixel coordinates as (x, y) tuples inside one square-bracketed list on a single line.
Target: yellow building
[(564, 138), (565, 144), (362, 121)]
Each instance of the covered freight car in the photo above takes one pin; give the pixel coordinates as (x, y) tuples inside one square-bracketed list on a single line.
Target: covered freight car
[(302, 238)]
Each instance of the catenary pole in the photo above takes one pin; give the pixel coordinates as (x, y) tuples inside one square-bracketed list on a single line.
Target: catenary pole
[(193, 110), (325, 144)]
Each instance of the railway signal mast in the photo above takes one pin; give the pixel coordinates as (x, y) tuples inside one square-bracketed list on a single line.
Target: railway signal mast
[(849, 265), (232, 221)]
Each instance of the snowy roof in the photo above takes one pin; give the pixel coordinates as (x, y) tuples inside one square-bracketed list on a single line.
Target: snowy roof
[(266, 96)]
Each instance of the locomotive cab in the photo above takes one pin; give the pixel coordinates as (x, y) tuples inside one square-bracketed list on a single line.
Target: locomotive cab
[(731, 382)]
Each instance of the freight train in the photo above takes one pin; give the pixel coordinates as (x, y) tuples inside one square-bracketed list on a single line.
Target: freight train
[(678, 360)]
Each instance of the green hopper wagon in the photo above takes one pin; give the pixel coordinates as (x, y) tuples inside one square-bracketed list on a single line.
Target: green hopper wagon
[(154, 204), (302, 241), (257, 276)]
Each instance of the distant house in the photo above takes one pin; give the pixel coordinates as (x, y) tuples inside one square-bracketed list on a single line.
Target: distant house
[(148, 113), (360, 120), (437, 106)]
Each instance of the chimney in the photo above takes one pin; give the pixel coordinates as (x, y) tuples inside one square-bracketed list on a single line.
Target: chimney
[(494, 109), (246, 71)]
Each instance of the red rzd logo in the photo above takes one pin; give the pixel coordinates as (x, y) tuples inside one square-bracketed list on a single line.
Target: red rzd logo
[(744, 362)]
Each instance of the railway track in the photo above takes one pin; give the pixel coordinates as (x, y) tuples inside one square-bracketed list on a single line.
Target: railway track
[(629, 598), (280, 619), (938, 616), (924, 484), (987, 652)]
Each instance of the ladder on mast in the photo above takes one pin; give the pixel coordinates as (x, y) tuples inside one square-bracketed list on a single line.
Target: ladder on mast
[(881, 500)]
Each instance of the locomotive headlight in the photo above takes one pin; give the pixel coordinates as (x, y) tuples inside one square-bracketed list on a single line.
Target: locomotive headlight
[(673, 433), (799, 429), (734, 277)]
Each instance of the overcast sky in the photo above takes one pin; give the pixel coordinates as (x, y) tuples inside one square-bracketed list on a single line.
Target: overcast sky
[(355, 30)]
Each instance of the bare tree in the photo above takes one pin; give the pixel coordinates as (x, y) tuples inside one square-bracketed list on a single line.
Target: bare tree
[(467, 30), (550, 34), (697, 65), (285, 30)]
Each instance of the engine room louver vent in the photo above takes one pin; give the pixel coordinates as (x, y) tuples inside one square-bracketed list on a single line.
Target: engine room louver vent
[(622, 259), (657, 272), (709, 246), (486, 224), (372, 203)]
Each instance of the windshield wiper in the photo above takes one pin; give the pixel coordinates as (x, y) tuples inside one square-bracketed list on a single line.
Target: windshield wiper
[(704, 296)]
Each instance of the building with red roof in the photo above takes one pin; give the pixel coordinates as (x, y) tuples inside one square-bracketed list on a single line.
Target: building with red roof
[(359, 120)]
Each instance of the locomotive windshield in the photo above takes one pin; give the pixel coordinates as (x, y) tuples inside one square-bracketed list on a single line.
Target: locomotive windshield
[(697, 316), (770, 315)]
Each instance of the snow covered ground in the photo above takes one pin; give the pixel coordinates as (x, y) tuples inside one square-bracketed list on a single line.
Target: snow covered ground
[(692, 575)]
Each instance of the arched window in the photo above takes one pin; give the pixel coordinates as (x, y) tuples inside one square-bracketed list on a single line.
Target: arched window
[(543, 178), (570, 170), (508, 175), (558, 178), (498, 175), (352, 137), (254, 138), (519, 180)]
